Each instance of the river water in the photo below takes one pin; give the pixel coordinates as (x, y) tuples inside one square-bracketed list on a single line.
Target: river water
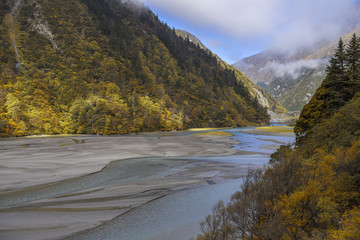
[(177, 216), (158, 210)]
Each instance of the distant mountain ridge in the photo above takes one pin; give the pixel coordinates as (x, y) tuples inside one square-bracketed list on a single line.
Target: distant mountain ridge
[(291, 77)]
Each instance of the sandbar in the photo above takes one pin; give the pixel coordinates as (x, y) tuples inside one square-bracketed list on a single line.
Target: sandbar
[(55, 186)]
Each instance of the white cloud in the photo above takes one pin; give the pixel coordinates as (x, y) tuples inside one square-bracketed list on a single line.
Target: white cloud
[(310, 21), (240, 18), (285, 24)]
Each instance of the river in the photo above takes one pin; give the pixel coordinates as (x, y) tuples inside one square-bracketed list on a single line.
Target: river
[(142, 198)]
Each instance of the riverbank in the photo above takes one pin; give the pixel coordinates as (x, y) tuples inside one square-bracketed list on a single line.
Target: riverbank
[(39, 160), (52, 186)]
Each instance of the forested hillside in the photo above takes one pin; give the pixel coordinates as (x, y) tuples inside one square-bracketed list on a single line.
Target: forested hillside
[(108, 66), (310, 190)]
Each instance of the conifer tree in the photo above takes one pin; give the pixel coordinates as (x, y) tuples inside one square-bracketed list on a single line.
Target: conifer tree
[(337, 62), (352, 54)]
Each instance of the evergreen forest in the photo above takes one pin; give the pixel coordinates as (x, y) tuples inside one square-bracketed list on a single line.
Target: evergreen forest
[(109, 67)]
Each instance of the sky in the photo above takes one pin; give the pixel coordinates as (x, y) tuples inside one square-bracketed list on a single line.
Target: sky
[(234, 29)]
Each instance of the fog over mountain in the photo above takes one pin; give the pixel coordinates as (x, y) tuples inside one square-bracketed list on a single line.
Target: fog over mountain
[(294, 68), (291, 77)]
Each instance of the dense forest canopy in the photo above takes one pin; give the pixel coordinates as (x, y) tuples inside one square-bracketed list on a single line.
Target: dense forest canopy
[(310, 190), (107, 66)]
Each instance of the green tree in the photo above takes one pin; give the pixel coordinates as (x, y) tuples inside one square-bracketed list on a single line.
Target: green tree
[(353, 55), (337, 62)]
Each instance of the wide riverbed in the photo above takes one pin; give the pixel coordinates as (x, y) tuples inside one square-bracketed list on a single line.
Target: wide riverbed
[(146, 186)]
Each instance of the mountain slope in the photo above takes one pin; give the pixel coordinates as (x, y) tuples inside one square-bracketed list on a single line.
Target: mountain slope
[(108, 66), (265, 99), (295, 92), (192, 38), (291, 77)]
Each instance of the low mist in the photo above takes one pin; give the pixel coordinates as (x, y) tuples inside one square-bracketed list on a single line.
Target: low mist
[(295, 68)]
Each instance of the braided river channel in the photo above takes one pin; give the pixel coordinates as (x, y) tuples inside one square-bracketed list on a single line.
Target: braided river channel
[(137, 187)]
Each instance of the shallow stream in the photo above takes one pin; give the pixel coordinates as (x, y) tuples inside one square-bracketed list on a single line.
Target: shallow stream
[(180, 194)]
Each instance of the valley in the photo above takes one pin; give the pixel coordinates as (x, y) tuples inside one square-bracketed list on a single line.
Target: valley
[(117, 124)]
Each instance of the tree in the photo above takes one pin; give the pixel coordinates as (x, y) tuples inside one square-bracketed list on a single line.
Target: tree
[(352, 54), (337, 62)]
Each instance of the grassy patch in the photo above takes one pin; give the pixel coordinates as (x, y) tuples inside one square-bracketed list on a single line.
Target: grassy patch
[(201, 129), (280, 129), (215, 134)]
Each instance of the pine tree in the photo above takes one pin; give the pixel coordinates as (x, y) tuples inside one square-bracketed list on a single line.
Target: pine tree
[(337, 62), (352, 54)]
